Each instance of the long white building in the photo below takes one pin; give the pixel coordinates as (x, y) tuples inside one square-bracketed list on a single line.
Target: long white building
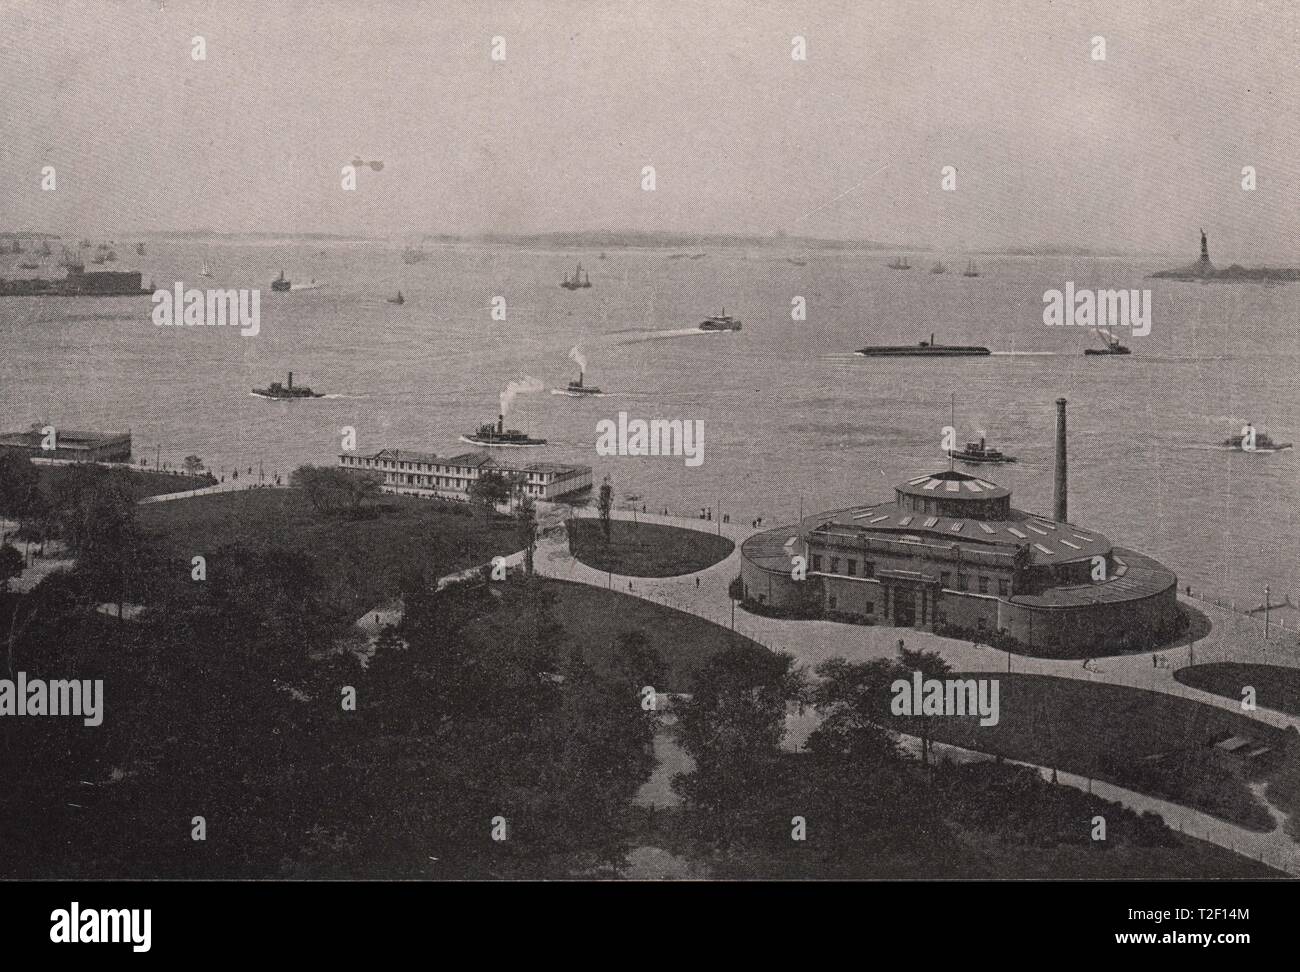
[(407, 471)]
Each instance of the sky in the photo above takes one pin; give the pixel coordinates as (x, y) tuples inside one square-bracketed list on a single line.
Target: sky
[(1051, 147)]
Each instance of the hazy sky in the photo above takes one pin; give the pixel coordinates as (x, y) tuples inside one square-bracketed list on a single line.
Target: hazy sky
[(1051, 147)]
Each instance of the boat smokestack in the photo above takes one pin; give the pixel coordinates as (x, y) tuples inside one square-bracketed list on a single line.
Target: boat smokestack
[(501, 424), (579, 379), (1060, 510), (981, 443), (291, 379)]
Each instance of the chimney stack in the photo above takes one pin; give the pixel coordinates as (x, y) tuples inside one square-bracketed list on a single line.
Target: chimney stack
[(1060, 511), (501, 423), (291, 379)]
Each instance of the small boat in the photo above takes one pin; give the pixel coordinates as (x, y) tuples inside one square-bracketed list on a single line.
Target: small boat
[(499, 435), (284, 392), (722, 322), (939, 268), (899, 263), (971, 270), (399, 299), (280, 285), (1110, 343), (1262, 443), (979, 452), (205, 272), (578, 389)]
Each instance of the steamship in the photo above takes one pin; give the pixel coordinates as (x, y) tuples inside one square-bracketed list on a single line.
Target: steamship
[(282, 392), (979, 452), (1262, 443), (925, 349), (577, 388), (499, 435), (720, 322)]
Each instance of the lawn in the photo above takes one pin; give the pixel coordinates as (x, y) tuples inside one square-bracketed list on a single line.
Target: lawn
[(1149, 742), (593, 619), (1275, 687), (364, 560), (141, 482), (645, 549)]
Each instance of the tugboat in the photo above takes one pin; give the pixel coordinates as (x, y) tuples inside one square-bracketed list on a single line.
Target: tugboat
[(499, 435), (280, 285), (722, 322), (281, 392), (1262, 443), (979, 452), (900, 263), (925, 349), (577, 388), (971, 270), (1110, 343), (399, 299)]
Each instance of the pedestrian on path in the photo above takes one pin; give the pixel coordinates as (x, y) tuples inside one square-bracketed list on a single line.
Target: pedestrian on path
[(697, 583)]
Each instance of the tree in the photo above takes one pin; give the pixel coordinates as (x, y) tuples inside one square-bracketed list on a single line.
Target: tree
[(11, 565), (488, 490), (193, 465), (931, 665), (526, 514), (605, 503), (18, 484), (329, 488)]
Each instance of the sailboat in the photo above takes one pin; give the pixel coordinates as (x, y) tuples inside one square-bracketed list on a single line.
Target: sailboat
[(900, 263), (970, 270), (205, 272), (399, 299), (577, 281), (939, 268)]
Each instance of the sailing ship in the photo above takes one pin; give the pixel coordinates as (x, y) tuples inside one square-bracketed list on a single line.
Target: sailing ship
[(939, 268), (399, 299), (412, 255), (899, 263), (1110, 343), (971, 270), (578, 281), (205, 272)]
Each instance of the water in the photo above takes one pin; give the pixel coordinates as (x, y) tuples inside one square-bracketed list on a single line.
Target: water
[(789, 411)]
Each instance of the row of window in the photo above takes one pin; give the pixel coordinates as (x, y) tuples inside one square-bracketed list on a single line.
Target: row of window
[(982, 582), (850, 566), (462, 471)]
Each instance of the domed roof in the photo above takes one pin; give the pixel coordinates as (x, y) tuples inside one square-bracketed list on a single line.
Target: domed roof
[(953, 485)]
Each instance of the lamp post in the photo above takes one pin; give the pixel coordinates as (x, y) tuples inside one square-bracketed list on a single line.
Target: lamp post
[(1266, 612)]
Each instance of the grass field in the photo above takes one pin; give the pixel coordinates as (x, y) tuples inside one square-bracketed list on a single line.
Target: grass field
[(645, 549), (1146, 741), (142, 483), (593, 619), (1276, 687), (365, 559)]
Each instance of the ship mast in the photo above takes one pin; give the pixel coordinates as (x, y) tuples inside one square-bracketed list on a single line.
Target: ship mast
[(952, 423)]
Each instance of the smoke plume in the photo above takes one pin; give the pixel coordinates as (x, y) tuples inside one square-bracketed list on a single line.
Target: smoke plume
[(522, 386), (577, 355)]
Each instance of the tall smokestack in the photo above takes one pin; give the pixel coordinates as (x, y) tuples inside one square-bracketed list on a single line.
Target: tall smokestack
[(501, 424), (1059, 505), (291, 379)]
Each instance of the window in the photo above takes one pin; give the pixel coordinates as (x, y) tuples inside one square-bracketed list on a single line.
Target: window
[(817, 562), (945, 578), (962, 582), (1004, 589), (835, 565), (851, 567), (984, 584), (868, 568), (870, 607), (832, 602)]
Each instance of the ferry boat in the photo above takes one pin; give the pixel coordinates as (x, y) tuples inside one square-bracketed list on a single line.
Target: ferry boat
[(281, 392), (722, 322), (1262, 442), (280, 285), (499, 435), (899, 263), (971, 270), (979, 452), (1110, 343), (925, 349), (577, 388)]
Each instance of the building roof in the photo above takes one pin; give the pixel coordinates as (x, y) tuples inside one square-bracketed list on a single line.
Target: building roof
[(1049, 542), (1136, 576), (951, 484)]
